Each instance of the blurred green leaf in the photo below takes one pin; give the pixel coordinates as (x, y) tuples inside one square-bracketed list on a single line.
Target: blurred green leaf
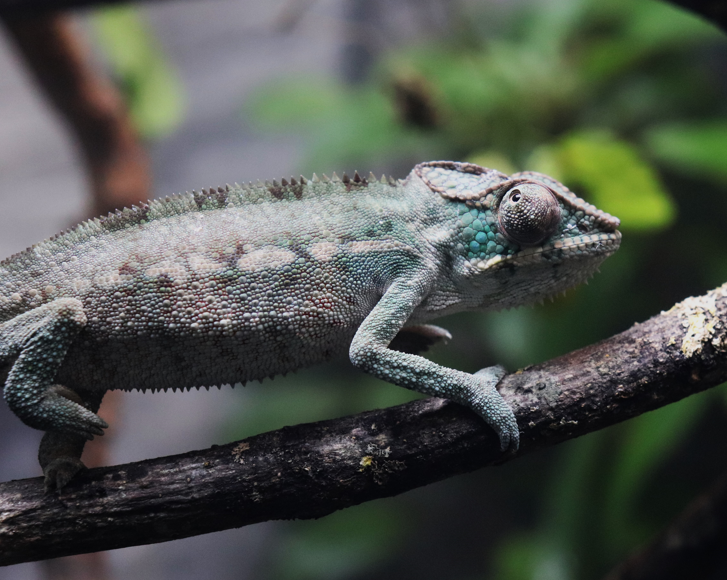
[(356, 123), (647, 441), (284, 401), (568, 502), (698, 149), (155, 96), (509, 334), (531, 558), (551, 552), (617, 178), (308, 396), (494, 160), (341, 544), (276, 106), (546, 159), (647, 28), (659, 25)]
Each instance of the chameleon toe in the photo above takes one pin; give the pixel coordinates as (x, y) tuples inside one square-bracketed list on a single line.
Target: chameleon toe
[(59, 472)]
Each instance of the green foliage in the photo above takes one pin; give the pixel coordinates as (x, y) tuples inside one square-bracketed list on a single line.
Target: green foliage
[(651, 438), (330, 114), (341, 544), (552, 553), (153, 92), (618, 179), (525, 557), (698, 149), (311, 395)]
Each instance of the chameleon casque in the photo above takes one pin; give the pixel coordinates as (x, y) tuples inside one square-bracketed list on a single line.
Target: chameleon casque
[(243, 282)]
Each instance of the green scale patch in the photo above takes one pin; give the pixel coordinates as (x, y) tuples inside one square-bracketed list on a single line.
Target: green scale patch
[(482, 240), (574, 223)]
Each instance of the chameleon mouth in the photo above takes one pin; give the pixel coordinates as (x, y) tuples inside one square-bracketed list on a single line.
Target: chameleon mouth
[(599, 245)]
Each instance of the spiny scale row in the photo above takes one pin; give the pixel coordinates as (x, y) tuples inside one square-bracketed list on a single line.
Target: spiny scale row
[(356, 179), (179, 204), (137, 213)]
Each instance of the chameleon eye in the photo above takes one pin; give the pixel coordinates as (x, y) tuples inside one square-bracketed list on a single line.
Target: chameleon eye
[(528, 213)]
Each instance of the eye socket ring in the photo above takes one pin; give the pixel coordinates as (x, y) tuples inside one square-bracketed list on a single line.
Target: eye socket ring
[(528, 213)]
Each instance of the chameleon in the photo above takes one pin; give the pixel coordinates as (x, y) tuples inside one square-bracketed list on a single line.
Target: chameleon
[(242, 282)]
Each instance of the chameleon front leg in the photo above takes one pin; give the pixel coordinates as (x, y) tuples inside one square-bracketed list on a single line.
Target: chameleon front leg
[(369, 351), (38, 340)]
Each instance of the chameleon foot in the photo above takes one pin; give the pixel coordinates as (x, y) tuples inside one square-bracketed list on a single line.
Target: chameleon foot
[(59, 456), (486, 401), (60, 471), (63, 410)]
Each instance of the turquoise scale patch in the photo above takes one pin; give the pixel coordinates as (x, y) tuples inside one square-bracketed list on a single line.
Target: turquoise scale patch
[(481, 239)]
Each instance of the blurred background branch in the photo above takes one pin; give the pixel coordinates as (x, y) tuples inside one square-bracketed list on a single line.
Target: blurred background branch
[(91, 106), (692, 546)]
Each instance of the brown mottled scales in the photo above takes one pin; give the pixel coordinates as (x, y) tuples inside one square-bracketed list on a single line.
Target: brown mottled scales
[(242, 282)]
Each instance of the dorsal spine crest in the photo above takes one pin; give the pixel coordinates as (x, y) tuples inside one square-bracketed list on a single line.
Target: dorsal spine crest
[(207, 199)]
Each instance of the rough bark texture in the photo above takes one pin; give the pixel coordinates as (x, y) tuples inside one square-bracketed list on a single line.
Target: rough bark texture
[(311, 470)]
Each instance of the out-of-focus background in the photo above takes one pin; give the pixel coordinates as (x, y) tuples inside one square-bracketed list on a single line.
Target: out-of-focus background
[(625, 101)]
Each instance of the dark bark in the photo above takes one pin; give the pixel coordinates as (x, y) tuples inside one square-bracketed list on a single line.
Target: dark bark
[(311, 470)]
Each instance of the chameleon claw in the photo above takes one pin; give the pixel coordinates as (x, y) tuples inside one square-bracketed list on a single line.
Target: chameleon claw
[(494, 410), (60, 471)]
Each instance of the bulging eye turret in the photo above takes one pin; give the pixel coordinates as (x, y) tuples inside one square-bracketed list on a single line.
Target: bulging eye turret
[(528, 214)]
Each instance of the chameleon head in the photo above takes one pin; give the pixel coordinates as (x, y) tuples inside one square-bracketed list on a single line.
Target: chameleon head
[(520, 238)]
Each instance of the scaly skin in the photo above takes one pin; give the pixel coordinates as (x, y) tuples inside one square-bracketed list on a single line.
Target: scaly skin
[(244, 282)]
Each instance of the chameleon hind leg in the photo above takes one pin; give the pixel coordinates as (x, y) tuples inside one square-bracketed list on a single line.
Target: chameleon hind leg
[(60, 453), (38, 341)]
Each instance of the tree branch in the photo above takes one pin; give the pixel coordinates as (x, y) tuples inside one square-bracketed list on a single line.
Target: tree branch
[(311, 470), (91, 106)]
